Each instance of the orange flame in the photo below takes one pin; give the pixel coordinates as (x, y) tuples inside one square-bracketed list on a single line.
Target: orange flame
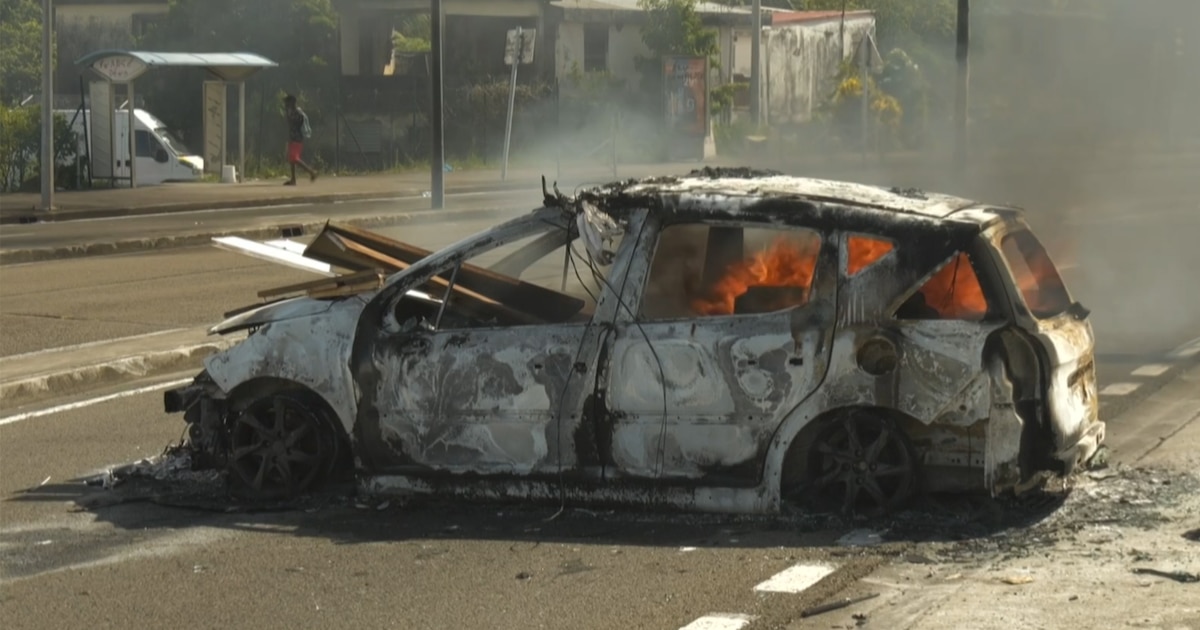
[(954, 291), (786, 263), (865, 251)]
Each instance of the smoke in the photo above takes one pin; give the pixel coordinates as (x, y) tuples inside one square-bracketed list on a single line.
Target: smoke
[(1086, 118)]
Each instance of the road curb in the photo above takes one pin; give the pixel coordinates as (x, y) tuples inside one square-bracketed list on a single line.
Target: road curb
[(79, 380), (59, 216), (19, 256)]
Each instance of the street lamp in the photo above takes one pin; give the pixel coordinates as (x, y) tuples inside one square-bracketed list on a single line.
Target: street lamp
[(962, 54), (47, 165), (437, 190)]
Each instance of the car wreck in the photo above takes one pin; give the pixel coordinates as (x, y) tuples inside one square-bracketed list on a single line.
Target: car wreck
[(728, 341)]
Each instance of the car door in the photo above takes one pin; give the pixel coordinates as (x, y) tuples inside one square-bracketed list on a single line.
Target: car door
[(442, 392), (916, 317), (709, 355)]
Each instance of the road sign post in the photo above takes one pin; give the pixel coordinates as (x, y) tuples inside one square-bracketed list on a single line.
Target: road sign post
[(518, 49)]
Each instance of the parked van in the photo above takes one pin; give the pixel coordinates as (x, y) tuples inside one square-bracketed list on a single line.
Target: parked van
[(161, 157)]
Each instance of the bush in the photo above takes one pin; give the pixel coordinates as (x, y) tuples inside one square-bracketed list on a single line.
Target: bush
[(20, 146)]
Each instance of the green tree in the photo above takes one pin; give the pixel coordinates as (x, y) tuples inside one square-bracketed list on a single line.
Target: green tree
[(412, 34), (20, 49), (672, 27), (299, 35)]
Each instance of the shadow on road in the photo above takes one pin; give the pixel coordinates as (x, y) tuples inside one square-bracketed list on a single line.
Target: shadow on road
[(336, 514)]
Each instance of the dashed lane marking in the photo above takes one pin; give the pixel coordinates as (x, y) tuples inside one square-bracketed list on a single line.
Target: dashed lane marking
[(1119, 389), (719, 621), (1152, 370), (796, 578)]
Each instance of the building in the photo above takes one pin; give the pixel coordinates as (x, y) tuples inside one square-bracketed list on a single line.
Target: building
[(84, 26)]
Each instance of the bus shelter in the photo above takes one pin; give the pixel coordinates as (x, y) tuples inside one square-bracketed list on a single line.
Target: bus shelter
[(121, 68)]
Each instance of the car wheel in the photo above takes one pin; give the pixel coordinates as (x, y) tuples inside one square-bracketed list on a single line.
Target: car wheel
[(862, 463), (280, 446)]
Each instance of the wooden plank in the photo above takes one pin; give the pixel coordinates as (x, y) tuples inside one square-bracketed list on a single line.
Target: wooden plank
[(474, 302), (336, 281), (345, 290), (333, 245)]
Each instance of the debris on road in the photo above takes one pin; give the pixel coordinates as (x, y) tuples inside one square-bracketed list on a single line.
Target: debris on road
[(861, 538), (836, 605), (1182, 577), (1017, 579)]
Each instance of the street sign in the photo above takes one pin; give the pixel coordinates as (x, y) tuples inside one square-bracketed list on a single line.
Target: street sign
[(519, 41), (119, 69)]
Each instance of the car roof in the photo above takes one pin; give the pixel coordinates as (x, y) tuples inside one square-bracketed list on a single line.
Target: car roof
[(708, 187)]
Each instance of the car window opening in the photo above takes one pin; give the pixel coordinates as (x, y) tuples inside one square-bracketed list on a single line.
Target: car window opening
[(1035, 275), (703, 271), (540, 279), (864, 251), (953, 293)]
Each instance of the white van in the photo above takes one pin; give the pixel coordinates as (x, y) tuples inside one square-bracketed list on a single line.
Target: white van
[(161, 157)]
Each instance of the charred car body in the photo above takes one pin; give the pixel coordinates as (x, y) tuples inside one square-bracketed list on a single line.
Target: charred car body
[(734, 341)]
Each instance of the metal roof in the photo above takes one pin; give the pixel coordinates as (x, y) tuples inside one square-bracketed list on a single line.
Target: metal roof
[(925, 204), (229, 66)]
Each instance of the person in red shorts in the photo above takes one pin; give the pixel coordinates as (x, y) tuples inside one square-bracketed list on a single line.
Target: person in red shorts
[(298, 130)]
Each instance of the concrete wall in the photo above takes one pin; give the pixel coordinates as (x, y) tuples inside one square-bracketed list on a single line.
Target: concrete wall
[(799, 65)]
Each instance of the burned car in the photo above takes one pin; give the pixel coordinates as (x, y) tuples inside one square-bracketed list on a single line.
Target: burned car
[(725, 341)]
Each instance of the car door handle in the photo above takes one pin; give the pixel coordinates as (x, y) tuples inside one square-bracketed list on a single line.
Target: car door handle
[(796, 361)]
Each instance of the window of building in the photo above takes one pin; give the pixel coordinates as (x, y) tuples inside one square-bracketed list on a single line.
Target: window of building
[(595, 47), (706, 271)]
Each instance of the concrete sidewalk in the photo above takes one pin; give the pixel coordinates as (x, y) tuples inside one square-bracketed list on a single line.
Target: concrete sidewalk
[(181, 197), (907, 169)]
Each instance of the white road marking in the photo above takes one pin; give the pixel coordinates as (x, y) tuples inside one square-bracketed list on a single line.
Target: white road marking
[(796, 579), (719, 621), (91, 401), (90, 344), (1119, 389), (1152, 370), (1187, 350)]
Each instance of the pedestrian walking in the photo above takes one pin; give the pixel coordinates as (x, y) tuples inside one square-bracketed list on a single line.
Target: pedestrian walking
[(298, 131)]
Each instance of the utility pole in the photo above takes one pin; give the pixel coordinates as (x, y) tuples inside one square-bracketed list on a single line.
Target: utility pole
[(47, 165), (962, 54), (437, 190), (756, 63)]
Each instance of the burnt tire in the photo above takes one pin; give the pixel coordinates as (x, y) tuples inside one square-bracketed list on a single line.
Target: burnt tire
[(861, 462), (281, 446)]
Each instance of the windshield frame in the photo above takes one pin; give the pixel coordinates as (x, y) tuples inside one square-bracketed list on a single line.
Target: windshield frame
[(172, 143)]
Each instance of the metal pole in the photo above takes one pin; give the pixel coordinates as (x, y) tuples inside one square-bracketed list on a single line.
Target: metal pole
[(241, 131), (47, 163), (615, 130), (755, 62), (438, 158), (865, 77), (133, 135), (962, 54), (512, 100)]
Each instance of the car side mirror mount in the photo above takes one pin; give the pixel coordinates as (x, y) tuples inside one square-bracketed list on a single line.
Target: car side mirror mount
[(161, 156), (1078, 311)]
